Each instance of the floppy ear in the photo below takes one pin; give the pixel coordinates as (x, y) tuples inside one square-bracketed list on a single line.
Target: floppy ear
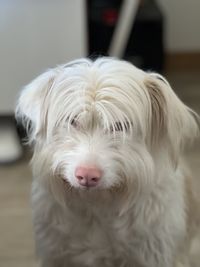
[(32, 101), (170, 118)]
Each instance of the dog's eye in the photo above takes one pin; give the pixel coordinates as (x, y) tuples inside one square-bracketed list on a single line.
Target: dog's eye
[(119, 127), (74, 123)]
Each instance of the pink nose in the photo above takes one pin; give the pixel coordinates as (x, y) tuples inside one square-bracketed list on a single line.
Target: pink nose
[(88, 176)]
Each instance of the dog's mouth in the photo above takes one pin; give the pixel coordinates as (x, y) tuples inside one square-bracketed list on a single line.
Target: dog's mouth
[(120, 188), (79, 188)]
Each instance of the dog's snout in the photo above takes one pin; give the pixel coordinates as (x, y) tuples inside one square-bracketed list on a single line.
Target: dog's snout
[(88, 176)]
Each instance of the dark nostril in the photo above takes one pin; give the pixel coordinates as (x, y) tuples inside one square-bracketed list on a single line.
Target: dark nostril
[(94, 179), (79, 178)]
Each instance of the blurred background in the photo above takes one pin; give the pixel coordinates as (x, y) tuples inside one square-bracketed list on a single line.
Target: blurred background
[(155, 35)]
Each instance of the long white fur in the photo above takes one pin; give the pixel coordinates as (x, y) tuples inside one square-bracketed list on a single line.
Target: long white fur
[(137, 215)]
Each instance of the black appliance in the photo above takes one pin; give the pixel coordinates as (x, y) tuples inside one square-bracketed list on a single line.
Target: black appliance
[(145, 44)]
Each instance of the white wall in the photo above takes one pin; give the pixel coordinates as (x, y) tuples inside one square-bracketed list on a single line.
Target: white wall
[(182, 24), (36, 35)]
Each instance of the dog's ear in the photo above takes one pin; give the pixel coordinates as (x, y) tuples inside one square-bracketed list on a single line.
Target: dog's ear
[(170, 119), (30, 109), (158, 109)]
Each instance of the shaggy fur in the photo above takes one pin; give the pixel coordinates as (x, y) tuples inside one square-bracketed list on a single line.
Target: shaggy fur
[(132, 126)]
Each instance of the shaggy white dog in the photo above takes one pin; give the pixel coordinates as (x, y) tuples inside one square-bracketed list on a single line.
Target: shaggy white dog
[(108, 187)]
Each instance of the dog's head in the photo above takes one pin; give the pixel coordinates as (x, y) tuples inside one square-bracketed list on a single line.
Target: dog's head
[(103, 124)]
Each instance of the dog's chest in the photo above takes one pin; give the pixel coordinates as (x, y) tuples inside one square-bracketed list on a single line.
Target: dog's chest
[(96, 236)]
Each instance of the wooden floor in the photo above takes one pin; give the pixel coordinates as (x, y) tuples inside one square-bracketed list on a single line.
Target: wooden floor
[(16, 237)]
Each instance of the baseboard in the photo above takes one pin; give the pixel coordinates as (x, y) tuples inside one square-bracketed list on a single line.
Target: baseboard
[(11, 119), (10, 146), (182, 61)]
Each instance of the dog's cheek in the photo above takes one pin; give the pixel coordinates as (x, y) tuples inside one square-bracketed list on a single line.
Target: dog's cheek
[(129, 165), (137, 166), (62, 162)]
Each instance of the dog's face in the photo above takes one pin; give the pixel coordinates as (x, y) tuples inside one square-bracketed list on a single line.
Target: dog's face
[(103, 124)]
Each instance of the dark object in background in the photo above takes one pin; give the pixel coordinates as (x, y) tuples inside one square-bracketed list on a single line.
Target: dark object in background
[(145, 45)]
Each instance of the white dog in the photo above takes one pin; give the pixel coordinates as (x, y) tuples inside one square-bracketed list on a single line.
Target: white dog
[(109, 188)]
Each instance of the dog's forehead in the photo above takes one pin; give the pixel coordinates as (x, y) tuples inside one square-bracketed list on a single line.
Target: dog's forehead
[(96, 84), (98, 94)]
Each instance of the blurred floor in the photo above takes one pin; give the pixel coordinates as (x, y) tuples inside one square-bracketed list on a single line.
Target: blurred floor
[(16, 237)]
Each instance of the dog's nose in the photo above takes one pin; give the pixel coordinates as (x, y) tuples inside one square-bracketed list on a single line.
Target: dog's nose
[(88, 176)]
